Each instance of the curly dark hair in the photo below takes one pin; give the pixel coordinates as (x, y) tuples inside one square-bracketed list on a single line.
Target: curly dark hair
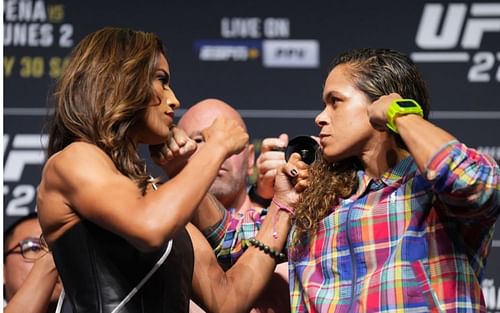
[(328, 182), (376, 72)]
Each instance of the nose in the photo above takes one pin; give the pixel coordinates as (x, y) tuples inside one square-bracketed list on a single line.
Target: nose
[(172, 100), (320, 119)]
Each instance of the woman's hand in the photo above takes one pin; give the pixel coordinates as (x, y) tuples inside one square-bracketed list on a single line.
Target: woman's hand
[(291, 179), (173, 155), (377, 111), (227, 134)]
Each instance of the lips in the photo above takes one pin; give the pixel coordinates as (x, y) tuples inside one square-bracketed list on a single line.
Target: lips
[(170, 119), (323, 138)]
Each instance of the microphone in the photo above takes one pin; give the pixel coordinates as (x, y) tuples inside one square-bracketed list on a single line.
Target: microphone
[(303, 145)]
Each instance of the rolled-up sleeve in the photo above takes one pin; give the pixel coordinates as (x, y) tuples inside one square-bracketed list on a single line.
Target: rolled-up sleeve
[(465, 181), (215, 233)]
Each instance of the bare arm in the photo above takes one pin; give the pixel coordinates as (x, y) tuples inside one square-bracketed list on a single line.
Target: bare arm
[(209, 212), (35, 292), (238, 288), (89, 183)]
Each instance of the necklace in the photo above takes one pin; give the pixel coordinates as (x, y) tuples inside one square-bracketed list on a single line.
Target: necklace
[(152, 181)]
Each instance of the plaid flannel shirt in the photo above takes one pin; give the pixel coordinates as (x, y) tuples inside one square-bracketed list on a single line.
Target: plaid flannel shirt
[(229, 238), (407, 242)]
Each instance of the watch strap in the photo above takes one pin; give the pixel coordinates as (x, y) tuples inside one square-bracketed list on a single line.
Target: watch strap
[(395, 110), (254, 197)]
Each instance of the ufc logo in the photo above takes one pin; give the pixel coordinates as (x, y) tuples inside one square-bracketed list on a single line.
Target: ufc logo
[(484, 17), (26, 149)]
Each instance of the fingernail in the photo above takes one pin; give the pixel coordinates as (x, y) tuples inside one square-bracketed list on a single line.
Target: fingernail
[(293, 172)]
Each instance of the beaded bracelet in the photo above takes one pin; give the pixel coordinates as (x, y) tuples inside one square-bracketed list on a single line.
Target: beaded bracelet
[(277, 256)]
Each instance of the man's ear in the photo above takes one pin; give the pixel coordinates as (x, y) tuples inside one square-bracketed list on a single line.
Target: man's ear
[(251, 159)]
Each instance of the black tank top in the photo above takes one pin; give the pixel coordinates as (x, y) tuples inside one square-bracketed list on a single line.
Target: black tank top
[(98, 270)]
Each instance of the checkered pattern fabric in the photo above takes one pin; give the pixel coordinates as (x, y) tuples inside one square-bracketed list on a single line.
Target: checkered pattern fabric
[(407, 242)]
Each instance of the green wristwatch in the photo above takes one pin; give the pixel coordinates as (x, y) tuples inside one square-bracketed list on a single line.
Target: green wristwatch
[(401, 107)]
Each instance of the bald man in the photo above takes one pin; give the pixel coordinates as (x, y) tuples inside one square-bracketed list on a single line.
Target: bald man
[(230, 185), (228, 230)]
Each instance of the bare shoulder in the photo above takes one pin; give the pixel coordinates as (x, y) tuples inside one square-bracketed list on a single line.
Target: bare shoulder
[(79, 164), (76, 162)]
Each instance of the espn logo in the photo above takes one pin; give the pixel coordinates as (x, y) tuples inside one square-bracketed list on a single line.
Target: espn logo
[(290, 53)]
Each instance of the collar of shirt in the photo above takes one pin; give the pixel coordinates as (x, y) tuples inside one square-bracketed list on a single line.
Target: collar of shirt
[(393, 175)]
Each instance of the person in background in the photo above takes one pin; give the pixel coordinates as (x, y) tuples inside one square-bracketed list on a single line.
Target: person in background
[(398, 215), (121, 241), (271, 158), (241, 218), (31, 282)]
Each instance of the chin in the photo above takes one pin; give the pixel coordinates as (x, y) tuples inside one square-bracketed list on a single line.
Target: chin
[(332, 157)]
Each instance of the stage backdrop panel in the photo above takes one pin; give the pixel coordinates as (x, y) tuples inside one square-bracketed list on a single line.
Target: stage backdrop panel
[(266, 58)]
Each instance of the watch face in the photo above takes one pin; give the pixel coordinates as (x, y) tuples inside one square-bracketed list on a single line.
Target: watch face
[(406, 104)]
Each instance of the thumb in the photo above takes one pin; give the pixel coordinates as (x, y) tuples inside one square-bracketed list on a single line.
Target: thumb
[(284, 139)]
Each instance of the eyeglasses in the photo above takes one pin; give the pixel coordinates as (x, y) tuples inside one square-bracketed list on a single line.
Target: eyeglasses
[(30, 248)]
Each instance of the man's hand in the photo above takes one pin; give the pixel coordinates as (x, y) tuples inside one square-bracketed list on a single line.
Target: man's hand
[(271, 158)]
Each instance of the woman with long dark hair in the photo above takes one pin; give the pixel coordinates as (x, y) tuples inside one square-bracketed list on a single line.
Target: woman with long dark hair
[(398, 215), (120, 242)]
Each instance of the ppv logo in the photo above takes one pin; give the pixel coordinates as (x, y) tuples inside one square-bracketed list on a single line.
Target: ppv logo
[(290, 53), (25, 150), (461, 28)]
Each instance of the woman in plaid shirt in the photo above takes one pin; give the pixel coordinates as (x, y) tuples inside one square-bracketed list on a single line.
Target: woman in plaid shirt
[(394, 220)]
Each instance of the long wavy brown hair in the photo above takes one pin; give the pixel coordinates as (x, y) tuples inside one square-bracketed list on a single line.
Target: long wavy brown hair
[(103, 92), (376, 72)]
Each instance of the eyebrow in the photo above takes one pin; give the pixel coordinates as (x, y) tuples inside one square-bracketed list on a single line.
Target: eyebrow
[(163, 72), (330, 94), (327, 96)]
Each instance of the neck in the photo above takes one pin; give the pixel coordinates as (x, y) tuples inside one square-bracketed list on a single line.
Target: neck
[(241, 203), (382, 155)]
